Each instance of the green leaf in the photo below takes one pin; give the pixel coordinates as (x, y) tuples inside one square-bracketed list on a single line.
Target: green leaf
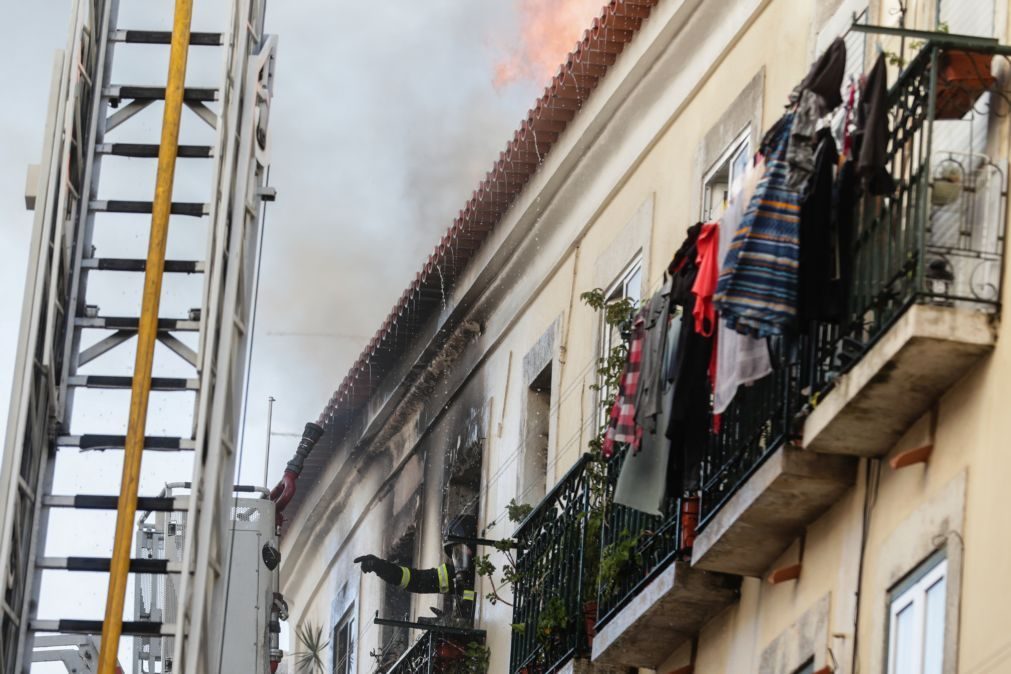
[(313, 646)]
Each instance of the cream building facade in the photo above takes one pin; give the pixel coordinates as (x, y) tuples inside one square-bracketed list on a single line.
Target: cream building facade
[(490, 397)]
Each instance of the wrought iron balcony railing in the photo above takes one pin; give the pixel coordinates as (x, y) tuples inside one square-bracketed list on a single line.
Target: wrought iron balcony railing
[(635, 547), (438, 653), (548, 624), (938, 239)]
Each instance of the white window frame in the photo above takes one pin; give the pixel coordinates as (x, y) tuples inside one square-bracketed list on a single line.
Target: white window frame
[(619, 289), (913, 593), (741, 145)]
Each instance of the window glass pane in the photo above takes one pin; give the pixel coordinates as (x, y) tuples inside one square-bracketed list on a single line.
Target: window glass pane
[(627, 286), (343, 647), (933, 638), (738, 167), (906, 639), (633, 287)]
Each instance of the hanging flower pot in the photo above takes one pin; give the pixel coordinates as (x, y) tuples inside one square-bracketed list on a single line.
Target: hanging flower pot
[(963, 78), (946, 186)]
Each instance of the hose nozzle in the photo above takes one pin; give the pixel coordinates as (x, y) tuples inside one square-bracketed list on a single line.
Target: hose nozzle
[(310, 436)]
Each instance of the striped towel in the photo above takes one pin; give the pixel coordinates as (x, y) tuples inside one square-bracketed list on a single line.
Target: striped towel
[(757, 290)]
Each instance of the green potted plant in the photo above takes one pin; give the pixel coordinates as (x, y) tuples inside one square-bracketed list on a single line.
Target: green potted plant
[(617, 315), (470, 659), (553, 620), (616, 559)]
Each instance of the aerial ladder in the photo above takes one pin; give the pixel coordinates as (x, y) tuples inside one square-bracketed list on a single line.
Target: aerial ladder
[(77, 340)]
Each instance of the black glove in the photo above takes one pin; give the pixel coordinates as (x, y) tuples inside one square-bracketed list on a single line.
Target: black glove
[(369, 563)]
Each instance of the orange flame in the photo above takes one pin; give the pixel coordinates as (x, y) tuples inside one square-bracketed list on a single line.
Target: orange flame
[(549, 31)]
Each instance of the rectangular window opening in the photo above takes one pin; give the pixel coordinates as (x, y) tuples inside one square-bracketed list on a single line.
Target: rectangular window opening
[(916, 621), (344, 643), (724, 178), (537, 439), (628, 286)]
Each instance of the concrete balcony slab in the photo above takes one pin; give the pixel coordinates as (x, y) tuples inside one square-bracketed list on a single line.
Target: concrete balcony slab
[(791, 489), (665, 613), (926, 352)]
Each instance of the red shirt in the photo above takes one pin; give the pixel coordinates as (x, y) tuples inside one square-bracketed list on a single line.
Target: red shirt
[(705, 282)]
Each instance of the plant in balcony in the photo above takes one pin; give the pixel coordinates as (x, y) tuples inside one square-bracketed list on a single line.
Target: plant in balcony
[(601, 566), (484, 566), (617, 559), (472, 659), (553, 622)]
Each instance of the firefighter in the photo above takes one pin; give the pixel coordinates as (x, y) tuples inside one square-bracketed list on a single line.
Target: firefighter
[(454, 577)]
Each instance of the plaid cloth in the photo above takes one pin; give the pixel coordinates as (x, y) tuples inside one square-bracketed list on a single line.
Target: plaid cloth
[(757, 290), (621, 426)]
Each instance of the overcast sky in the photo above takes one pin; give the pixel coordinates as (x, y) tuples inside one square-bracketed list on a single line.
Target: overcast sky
[(386, 115)]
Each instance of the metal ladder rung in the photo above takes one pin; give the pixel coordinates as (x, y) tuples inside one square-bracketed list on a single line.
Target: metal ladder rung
[(155, 443), (150, 150), (163, 504), (191, 208), (101, 564), (142, 93), (130, 323), (138, 265), (130, 627), (118, 382), (165, 37)]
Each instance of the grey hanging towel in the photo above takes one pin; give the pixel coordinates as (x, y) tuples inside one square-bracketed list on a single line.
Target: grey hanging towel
[(642, 482)]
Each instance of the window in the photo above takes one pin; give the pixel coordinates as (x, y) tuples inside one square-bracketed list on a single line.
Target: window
[(916, 620), (628, 286), (344, 644), (535, 447), (723, 179)]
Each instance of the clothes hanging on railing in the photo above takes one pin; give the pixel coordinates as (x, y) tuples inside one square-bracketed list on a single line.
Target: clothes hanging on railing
[(779, 262), (740, 359), (812, 99), (708, 262), (642, 481), (688, 429), (871, 141), (757, 290), (649, 407), (823, 243), (621, 423)]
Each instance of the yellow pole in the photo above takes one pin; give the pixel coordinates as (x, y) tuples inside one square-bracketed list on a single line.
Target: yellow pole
[(147, 333)]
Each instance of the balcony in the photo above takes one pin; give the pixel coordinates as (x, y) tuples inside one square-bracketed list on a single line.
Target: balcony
[(571, 581), (548, 591), (655, 601), (922, 308), (443, 653)]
